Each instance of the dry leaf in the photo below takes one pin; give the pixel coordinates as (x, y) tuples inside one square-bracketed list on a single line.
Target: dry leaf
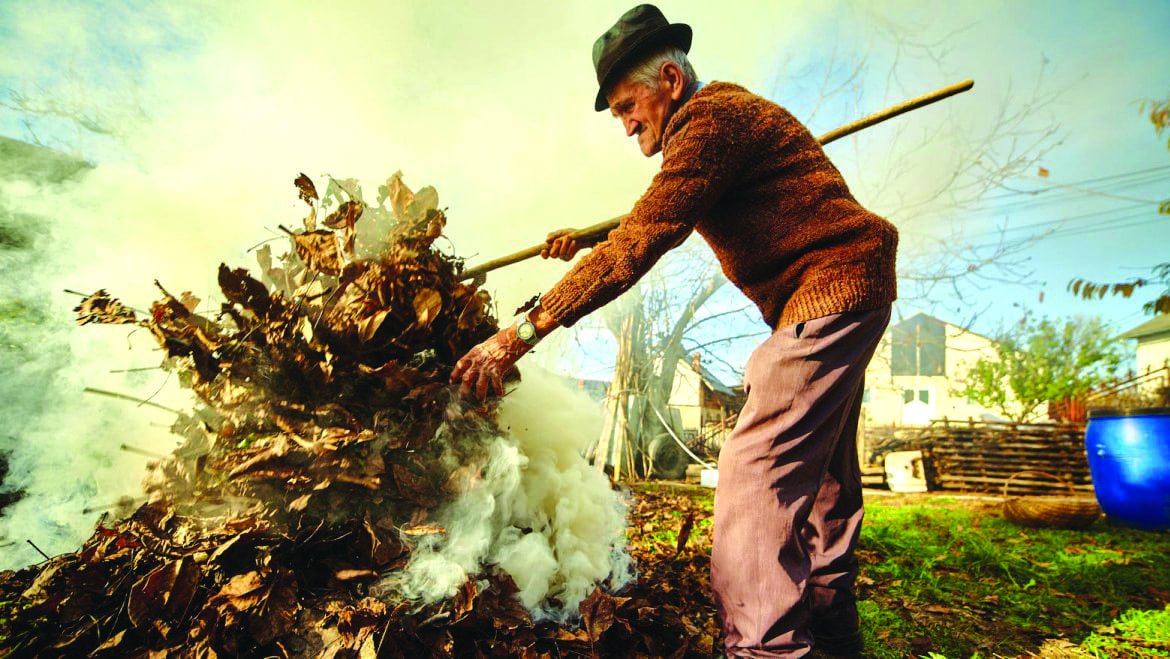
[(319, 251), (101, 308), (399, 195), (427, 303), (307, 191)]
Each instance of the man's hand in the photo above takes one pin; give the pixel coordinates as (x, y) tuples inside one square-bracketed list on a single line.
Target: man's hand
[(560, 245), (484, 365)]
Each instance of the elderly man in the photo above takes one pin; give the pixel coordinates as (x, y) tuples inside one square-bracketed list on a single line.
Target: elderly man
[(756, 185)]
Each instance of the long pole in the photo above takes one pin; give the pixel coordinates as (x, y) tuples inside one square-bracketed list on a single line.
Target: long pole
[(598, 232)]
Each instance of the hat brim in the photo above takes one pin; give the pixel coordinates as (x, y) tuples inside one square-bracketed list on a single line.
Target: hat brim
[(677, 34)]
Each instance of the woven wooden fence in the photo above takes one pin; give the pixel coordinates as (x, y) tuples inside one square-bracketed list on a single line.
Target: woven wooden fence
[(975, 456)]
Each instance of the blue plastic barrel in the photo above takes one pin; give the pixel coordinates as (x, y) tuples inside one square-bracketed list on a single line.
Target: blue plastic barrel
[(1129, 458)]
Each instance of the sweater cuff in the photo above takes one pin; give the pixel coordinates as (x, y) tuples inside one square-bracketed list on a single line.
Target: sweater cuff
[(560, 306)]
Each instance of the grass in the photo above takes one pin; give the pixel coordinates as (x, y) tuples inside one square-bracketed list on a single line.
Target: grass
[(1136, 633), (949, 578), (953, 578)]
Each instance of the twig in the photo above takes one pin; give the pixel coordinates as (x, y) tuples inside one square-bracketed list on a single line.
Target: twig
[(114, 394), (34, 546), (135, 370), (264, 242), (156, 391), (93, 509), (141, 451)]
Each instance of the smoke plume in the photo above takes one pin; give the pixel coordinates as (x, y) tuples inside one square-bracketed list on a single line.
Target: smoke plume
[(533, 508)]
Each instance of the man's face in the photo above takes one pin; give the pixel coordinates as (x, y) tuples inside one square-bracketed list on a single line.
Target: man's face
[(643, 111)]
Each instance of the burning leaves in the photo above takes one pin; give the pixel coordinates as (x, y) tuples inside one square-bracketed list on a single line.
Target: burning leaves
[(312, 470)]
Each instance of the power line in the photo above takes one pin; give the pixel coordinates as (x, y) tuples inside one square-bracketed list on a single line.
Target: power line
[(1024, 227), (1035, 225), (1110, 225), (1097, 193), (1065, 196), (1113, 227), (1088, 181)]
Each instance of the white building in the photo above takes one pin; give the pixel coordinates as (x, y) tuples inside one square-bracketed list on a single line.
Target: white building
[(918, 370), (1153, 343), (701, 405)]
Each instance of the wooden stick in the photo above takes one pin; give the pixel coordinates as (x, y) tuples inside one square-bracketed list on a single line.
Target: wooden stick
[(598, 232)]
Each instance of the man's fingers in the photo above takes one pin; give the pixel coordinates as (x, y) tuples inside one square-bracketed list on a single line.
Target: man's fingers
[(562, 248), (482, 384), (569, 249), (466, 381), (544, 253), (460, 367), (498, 384)]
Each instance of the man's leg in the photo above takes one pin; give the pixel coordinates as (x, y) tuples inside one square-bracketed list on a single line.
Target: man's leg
[(831, 535), (802, 383)]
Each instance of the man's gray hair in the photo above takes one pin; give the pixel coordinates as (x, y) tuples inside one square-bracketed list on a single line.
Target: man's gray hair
[(645, 71)]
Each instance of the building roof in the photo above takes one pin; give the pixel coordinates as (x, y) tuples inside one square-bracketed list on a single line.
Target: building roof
[(922, 316), (714, 382), (706, 376), (1157, 325)]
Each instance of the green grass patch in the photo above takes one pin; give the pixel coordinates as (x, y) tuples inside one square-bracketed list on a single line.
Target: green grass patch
[(953, 578), (1135, 634)]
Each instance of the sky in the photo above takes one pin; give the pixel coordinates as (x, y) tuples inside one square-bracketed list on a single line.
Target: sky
[(216, 107)]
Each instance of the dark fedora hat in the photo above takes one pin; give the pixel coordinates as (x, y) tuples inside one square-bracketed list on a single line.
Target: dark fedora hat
[(637, 32)]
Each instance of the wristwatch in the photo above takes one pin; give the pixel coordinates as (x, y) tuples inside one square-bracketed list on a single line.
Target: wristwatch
[(527, 331)]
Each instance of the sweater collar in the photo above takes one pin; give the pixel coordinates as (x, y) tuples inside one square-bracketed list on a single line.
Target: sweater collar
[(686, 99), (698, 85)]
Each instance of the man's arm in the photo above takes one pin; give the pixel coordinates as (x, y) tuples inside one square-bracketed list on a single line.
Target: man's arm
[(700, 159), (703, 154)]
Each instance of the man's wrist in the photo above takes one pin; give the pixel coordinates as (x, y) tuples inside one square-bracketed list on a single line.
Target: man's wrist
[(542, 320)]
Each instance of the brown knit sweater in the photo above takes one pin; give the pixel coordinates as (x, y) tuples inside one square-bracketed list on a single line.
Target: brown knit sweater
[(754, 182)]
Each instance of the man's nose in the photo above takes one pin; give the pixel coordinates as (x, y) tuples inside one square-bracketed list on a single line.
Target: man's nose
[(631, 127)]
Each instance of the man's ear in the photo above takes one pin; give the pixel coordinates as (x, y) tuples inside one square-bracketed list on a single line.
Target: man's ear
[(670, 76)]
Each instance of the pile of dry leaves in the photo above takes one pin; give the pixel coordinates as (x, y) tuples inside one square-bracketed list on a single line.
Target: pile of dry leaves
[(309, 471)]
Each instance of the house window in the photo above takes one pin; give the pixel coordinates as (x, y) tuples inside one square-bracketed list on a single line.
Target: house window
[(923, 395), (918, 347)]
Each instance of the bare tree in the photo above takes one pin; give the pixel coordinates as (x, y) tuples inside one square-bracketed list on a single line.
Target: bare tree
[(650, 325), (73, 113)]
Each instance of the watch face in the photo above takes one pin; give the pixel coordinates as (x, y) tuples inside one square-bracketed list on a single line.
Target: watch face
[(526, 331)]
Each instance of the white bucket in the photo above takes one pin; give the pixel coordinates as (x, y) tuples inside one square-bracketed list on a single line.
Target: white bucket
[(709, 477), (904, 471)]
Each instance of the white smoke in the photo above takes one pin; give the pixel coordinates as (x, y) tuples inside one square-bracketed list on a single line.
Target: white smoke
[(63, 446), (535, 509)]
